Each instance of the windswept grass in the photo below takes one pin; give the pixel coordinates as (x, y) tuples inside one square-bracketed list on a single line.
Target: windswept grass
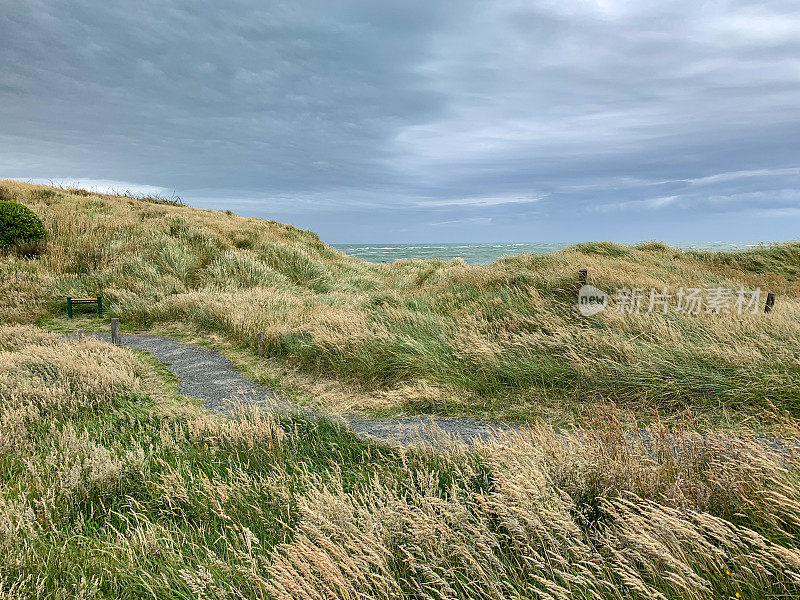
[(112, 487), (503, 340), (781, 259)]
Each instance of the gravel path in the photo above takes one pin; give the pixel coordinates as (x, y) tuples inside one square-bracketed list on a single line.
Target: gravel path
[(208, 376)]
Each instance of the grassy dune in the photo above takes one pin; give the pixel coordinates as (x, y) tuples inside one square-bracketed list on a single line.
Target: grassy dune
[(503, 340), (111, 486)]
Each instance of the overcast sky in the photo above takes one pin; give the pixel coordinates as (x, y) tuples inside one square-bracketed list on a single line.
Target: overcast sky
[(392, 121)]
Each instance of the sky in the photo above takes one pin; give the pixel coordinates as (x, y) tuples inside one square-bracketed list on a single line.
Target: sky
[(420, 121)]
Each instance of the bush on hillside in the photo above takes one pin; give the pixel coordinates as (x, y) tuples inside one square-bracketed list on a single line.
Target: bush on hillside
[(20, 228)]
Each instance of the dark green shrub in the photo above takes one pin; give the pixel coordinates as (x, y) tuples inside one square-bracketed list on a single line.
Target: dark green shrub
[(19, 226)]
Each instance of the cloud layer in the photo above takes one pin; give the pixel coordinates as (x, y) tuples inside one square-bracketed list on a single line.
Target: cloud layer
[(421, 121)]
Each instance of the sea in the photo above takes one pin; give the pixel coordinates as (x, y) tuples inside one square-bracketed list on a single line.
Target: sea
[(483, 254)]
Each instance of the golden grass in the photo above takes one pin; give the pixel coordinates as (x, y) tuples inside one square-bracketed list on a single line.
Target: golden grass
[(501, 341), (116, 488), (528, 537)]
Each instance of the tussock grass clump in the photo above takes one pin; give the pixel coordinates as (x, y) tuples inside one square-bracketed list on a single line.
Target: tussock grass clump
[(584, 516), (117, 488), (783, 259), (43, 377), (503, 340)]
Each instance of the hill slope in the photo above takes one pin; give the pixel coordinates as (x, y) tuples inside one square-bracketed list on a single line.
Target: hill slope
[(503, 340)]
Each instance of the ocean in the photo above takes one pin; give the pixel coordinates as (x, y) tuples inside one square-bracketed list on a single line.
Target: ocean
[(483, 254)]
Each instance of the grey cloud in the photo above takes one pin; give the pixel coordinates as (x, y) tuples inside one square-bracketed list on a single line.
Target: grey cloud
[(366, 120)]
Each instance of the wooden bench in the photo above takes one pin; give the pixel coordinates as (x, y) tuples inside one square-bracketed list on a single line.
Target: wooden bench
[(73, 301)]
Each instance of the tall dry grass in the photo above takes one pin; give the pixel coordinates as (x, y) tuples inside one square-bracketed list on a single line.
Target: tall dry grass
[(503, 340), (592, 514), (116, 488)]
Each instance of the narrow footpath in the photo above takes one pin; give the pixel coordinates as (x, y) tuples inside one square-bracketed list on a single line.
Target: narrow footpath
[(208, 376)]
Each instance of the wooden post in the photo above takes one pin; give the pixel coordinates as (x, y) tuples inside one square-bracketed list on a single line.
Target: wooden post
[(770, 302), (261, 340), (583, 275), (100, 306), (69, 307), (115, 337)]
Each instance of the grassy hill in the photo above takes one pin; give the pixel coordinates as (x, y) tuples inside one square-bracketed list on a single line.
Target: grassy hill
[(112, 485), (503, 340)]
